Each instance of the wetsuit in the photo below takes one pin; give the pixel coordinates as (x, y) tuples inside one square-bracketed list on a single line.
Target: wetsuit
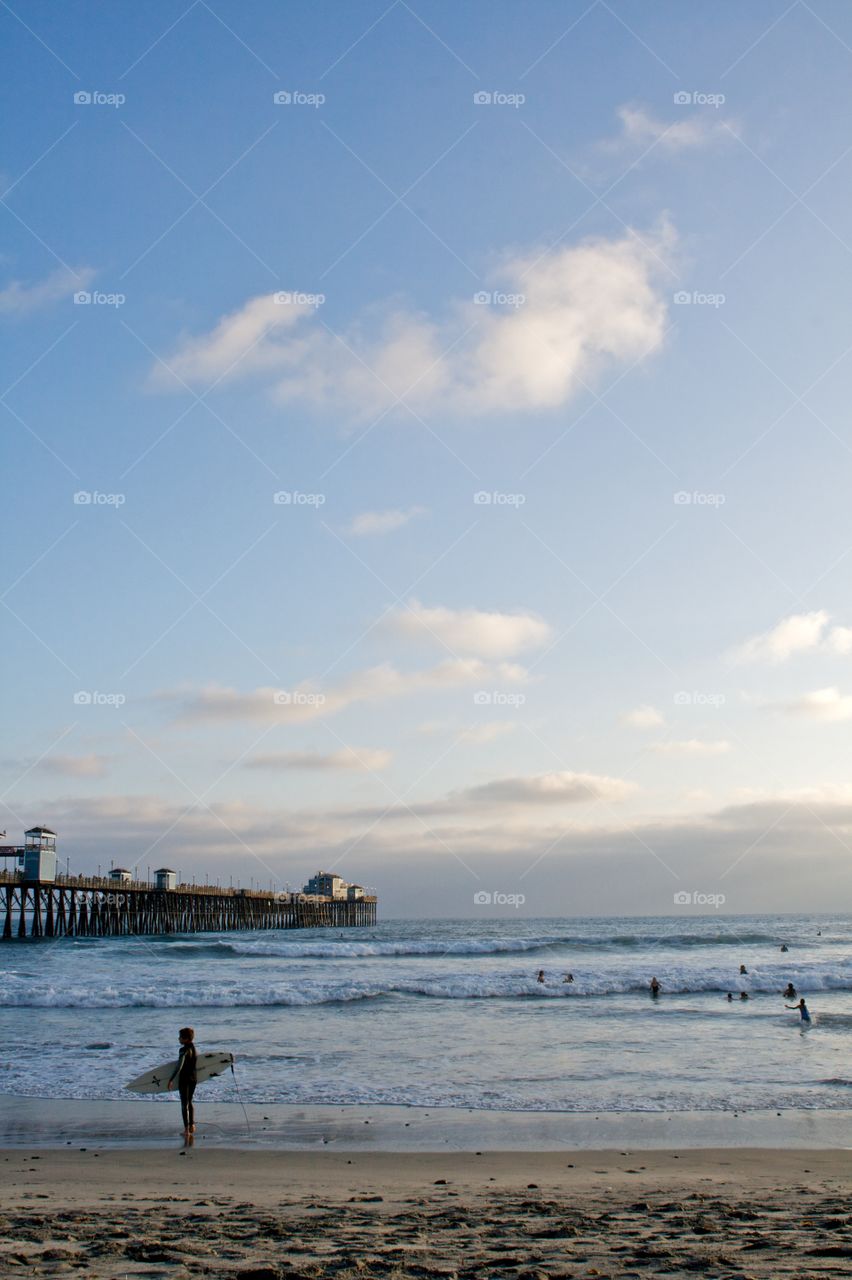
[(187, 1080)]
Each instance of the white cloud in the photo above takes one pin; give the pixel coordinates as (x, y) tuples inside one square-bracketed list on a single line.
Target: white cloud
[(839, 640), (366, 758), (822, 704), (799, 633), (306, 702), (18, 299), (493, 635), (641, 130), (379, 522), (643, 717), (583, 306), (692, 747)]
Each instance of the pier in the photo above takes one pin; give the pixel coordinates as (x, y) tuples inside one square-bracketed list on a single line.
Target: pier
[(80, 907)]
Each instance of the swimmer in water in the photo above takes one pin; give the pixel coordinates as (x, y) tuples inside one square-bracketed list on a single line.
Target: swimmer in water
[(744, 995), (789, 992), (569, 977), (654, 987), (730, 997), (540, 977), (743, 969), (785, 947), (802, 1008)]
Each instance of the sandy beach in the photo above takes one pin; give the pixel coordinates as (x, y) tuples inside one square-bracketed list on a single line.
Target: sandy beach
[(111, 1212)]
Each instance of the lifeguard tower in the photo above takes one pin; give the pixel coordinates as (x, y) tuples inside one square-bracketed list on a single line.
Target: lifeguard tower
[(40, 854)]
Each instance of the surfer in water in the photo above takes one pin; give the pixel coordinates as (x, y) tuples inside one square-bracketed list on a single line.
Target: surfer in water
[(803, 1010), (186, 1078), (654, 988)]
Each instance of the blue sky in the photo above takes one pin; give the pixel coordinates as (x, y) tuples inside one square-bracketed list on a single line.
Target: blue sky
[(627, 674)]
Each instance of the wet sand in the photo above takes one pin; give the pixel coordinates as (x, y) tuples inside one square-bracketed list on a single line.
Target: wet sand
[(150, 1122), (115, 1212)]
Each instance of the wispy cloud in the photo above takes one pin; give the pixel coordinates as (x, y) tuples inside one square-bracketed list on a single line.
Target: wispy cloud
[(490, 635), (371, 523), (365, 758), (307, 702), (18, 299), (644, 717), (89, 766), (692, 747), (641, 130)]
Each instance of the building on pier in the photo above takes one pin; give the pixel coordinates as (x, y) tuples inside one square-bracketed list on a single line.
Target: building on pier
[(165, 878), (120, 875), (39, 854), (326, 884)]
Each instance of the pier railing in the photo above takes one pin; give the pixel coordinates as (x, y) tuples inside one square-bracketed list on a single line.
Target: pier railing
[(93, 907)]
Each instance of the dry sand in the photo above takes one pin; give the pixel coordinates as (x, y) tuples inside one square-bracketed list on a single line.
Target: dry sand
[(127, 1213)]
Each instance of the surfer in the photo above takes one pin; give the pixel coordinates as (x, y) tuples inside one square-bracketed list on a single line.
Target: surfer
[(730, 996), (802, 1008), (569, 977), (654, 987), (789, 992), (744, 995), (186, 1078), (743, 969), (784, 947), (540, 977)]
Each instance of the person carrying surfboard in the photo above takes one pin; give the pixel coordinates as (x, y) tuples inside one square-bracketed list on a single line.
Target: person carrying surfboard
[(187, 1078)]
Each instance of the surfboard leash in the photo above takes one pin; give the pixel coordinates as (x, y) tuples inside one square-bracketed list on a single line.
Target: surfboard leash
[(240, 1096)]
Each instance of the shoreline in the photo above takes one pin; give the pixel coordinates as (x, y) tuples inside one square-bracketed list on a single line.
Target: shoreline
[(139, 1124)]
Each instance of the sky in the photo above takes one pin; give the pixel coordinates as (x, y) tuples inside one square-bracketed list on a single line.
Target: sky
[(427, 448)]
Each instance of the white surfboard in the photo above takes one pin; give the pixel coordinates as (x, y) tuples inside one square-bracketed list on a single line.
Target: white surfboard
[(157, 1079)]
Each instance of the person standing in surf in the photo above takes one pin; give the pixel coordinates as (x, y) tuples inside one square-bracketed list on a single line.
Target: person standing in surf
[(187, 1078), (802, 1010)]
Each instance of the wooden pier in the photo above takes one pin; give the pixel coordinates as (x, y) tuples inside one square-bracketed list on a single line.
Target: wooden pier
[(81, 908)]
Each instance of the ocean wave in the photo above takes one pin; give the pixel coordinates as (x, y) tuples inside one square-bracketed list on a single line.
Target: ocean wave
[(331, 949), (450, 987)]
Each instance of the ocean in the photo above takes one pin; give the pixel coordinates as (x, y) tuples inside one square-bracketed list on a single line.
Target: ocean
[(448, 1013)]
